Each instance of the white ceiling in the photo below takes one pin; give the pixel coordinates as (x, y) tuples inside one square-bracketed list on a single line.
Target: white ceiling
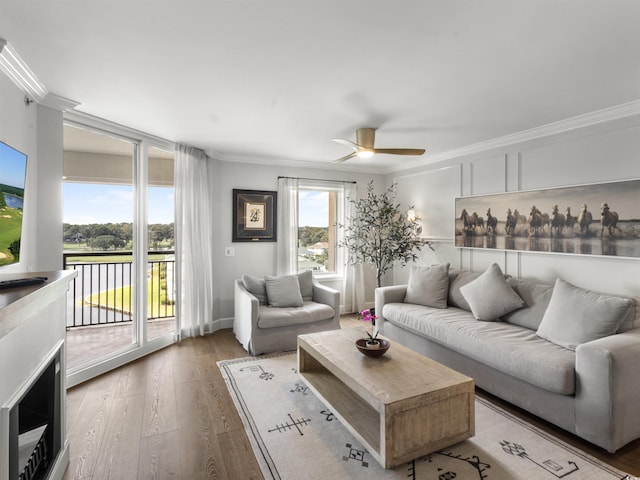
[(275, 80)]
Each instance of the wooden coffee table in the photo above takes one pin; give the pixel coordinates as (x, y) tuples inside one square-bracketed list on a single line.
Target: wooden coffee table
[(401, 405)]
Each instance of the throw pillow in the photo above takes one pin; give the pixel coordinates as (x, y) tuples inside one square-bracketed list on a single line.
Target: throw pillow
[(428, 286), (306, 285), (536, 298), (576, 316), (457, 279), (256, 286), (490, 296), (283, 291)]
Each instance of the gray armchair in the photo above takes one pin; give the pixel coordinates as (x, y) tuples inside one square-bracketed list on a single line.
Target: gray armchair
[(263, 328)]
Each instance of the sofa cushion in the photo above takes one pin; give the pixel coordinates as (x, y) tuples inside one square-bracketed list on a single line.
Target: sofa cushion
[(309, 312), (490, 296), (306, 285), (576, 315), (283, 291), (428, 285), (536, 298), (458, 279), (512, 349), (632, 319), (257, 287)]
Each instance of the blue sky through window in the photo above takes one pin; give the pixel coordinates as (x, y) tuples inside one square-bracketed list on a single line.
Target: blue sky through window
[(99, 203), (313, 208)]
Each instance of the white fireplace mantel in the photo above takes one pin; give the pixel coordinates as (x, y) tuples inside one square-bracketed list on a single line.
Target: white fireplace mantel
[(32, 328)]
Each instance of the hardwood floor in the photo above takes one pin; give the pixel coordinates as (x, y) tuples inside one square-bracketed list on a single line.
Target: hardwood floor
[(169, 415)]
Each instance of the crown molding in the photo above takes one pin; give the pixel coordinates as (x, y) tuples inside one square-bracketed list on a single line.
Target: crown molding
[(59, 103), (580, 121), (19, 72)]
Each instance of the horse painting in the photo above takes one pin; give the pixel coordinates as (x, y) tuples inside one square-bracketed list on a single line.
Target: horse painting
[(469, 221), (608, 219), (492, 223), (557, 221), (510, 223), (537, 221), (584, 219), (570, 221)]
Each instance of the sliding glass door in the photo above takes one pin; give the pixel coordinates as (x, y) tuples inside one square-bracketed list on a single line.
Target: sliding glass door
[(118, 237)]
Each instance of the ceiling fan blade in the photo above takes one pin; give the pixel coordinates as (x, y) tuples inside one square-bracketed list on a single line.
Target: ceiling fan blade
[(400, 151), (345, 158), (348, 143)]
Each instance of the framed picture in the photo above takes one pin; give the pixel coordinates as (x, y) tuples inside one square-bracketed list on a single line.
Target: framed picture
[(595, 219), (254, 216)]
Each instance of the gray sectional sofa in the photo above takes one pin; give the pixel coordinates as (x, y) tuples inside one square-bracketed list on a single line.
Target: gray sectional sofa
[(565, 354)]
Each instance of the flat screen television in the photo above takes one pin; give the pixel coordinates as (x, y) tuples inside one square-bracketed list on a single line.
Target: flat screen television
[(13, 171)]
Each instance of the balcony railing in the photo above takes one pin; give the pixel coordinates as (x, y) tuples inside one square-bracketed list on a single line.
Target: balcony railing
[(102, 293)]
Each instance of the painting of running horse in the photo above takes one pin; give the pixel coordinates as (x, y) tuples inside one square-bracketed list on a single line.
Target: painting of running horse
[(594, 219)]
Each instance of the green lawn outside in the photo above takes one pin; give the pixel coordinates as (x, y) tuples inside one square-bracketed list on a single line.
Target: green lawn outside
[(115, 258), (119, 298), (10, 231)]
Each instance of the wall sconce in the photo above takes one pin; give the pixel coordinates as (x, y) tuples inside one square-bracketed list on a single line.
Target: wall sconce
[(413, 218), (17, 70)]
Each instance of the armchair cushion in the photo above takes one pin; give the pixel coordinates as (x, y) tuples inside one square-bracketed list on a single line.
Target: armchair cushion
[(306, 285), (256, 287), (283, 291), (310, 312)]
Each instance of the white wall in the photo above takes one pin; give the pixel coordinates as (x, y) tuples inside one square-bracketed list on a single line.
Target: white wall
[(603, 152), (36, 131)]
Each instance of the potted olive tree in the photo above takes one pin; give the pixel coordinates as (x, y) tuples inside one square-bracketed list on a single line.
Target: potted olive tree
[(379, 233)]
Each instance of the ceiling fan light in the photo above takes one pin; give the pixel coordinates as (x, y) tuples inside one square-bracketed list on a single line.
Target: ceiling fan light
[(365, 154)]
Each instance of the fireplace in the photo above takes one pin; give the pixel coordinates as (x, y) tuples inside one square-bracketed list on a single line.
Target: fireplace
[(33, 439), (34, 424)]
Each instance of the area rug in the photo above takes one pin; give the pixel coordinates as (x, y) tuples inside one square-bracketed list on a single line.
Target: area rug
[(294, 435)]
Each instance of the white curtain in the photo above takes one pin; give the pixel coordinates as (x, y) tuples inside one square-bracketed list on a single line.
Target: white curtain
[(287, 248), (194, 241), (353, 279)]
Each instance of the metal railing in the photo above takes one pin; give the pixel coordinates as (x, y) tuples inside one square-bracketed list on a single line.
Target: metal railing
[(102, 293)]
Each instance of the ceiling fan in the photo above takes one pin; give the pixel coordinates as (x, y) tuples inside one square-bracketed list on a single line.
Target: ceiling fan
[(364, 146)]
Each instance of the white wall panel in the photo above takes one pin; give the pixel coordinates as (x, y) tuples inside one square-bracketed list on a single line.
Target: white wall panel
[(432, 193), (598, 158), (488, 175)]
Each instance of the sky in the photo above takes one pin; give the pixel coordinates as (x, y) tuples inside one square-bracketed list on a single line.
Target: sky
[(97, 203), (13, 166), (313, 208)]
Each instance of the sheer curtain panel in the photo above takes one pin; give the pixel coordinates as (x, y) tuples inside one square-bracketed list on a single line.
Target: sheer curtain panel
[(194, 241), (353, 280), (287, 249)]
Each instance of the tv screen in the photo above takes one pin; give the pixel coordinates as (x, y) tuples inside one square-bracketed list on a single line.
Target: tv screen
[(13, 171)]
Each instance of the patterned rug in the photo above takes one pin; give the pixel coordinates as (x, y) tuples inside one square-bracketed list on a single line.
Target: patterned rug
[(294, 435)]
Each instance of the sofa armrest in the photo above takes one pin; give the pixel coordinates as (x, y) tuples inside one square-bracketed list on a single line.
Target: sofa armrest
[(607, 388), (245, 318), (328, 296), (384, 295)]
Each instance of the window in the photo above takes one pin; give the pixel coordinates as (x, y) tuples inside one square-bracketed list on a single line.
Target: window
[(317, 229), (308, 214)]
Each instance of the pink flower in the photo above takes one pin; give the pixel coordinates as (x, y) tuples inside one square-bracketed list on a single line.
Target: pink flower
[(367, 316)]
